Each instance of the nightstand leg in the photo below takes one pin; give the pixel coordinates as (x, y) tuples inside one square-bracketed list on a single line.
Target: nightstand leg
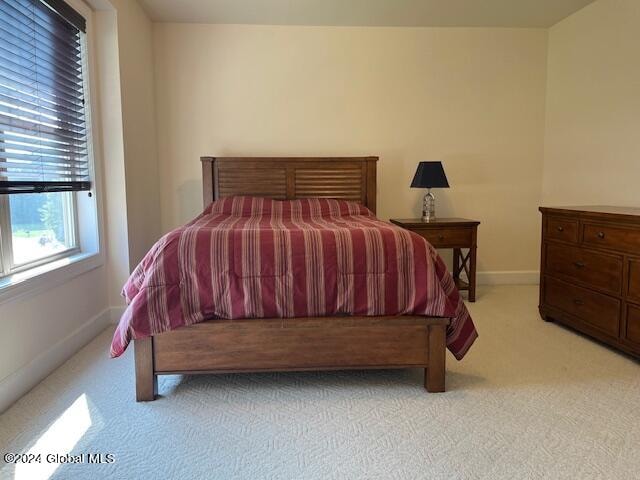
[(456, 263), (472, 274)]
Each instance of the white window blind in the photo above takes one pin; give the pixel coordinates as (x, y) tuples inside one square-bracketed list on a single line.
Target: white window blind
[(43, 136)]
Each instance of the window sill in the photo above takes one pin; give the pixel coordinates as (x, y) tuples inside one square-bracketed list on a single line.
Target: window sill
[(39, 279)]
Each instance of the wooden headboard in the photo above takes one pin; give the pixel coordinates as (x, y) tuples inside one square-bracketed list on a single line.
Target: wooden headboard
[(288, 178)]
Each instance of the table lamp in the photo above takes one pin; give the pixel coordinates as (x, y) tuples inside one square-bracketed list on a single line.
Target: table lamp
[(429, 175)]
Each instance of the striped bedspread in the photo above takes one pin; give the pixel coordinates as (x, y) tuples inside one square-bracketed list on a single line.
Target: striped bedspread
[(249, 257)]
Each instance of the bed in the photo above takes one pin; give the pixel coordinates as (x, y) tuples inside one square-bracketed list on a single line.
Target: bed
[(227, 342)]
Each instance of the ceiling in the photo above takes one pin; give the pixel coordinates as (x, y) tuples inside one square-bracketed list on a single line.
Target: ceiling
[(410, 13)]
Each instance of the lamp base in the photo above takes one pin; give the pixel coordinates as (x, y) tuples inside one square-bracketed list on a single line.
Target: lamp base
[(429, 207)]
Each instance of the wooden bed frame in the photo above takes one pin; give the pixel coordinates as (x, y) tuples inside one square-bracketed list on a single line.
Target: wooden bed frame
[(291, 344)]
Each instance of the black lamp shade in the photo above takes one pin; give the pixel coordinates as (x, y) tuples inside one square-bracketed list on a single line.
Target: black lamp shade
[(430, 175)]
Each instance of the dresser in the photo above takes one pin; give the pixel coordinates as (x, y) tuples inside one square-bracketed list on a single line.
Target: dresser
[(590, 272)]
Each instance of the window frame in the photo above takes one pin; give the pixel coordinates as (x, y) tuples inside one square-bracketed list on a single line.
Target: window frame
[(88, 253), (5, 236), (8, 265)]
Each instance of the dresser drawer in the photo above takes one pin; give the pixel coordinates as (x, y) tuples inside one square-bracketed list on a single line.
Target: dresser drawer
[(632, 333), (596, 309), (615, 238), (560, 228), (633, 287), (447, 237), (591, 268)]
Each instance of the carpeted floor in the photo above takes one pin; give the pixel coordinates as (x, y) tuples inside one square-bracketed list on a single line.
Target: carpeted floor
[(531, 400)]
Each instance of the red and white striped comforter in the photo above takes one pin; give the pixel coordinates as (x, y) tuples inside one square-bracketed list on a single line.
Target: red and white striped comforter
[(249, 257)]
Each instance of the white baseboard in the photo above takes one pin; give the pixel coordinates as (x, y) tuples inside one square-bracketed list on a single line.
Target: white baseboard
[(514, 277), (21, 381), (115, 313)]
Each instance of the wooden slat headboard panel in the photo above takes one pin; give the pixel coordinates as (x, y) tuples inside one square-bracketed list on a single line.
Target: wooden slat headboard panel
[(347, 178)]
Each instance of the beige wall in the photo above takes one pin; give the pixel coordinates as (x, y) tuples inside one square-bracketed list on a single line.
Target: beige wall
[(138, 116), (114, 191), (471, 97), (125, 57), (592, 146)]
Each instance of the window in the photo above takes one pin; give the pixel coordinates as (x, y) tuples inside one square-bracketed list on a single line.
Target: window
[(45, 150)]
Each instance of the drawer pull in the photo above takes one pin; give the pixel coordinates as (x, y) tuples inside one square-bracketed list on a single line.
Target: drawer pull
[(580, 264), (578, 302), (561, 229), (600, 235)]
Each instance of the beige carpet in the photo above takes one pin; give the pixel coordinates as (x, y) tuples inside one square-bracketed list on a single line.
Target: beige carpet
[(531, 400)]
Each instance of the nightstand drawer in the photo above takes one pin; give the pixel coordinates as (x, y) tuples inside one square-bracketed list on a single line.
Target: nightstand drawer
[(447, 237), (560, 228), (598, 270)]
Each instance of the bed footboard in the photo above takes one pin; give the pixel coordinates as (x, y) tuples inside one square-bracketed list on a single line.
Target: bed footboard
[(293, 344)]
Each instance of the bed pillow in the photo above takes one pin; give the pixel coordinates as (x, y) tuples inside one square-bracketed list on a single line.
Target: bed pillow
[(243, 206)]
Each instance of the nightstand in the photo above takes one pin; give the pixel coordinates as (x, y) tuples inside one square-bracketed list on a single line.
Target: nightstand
[(455, 233)]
